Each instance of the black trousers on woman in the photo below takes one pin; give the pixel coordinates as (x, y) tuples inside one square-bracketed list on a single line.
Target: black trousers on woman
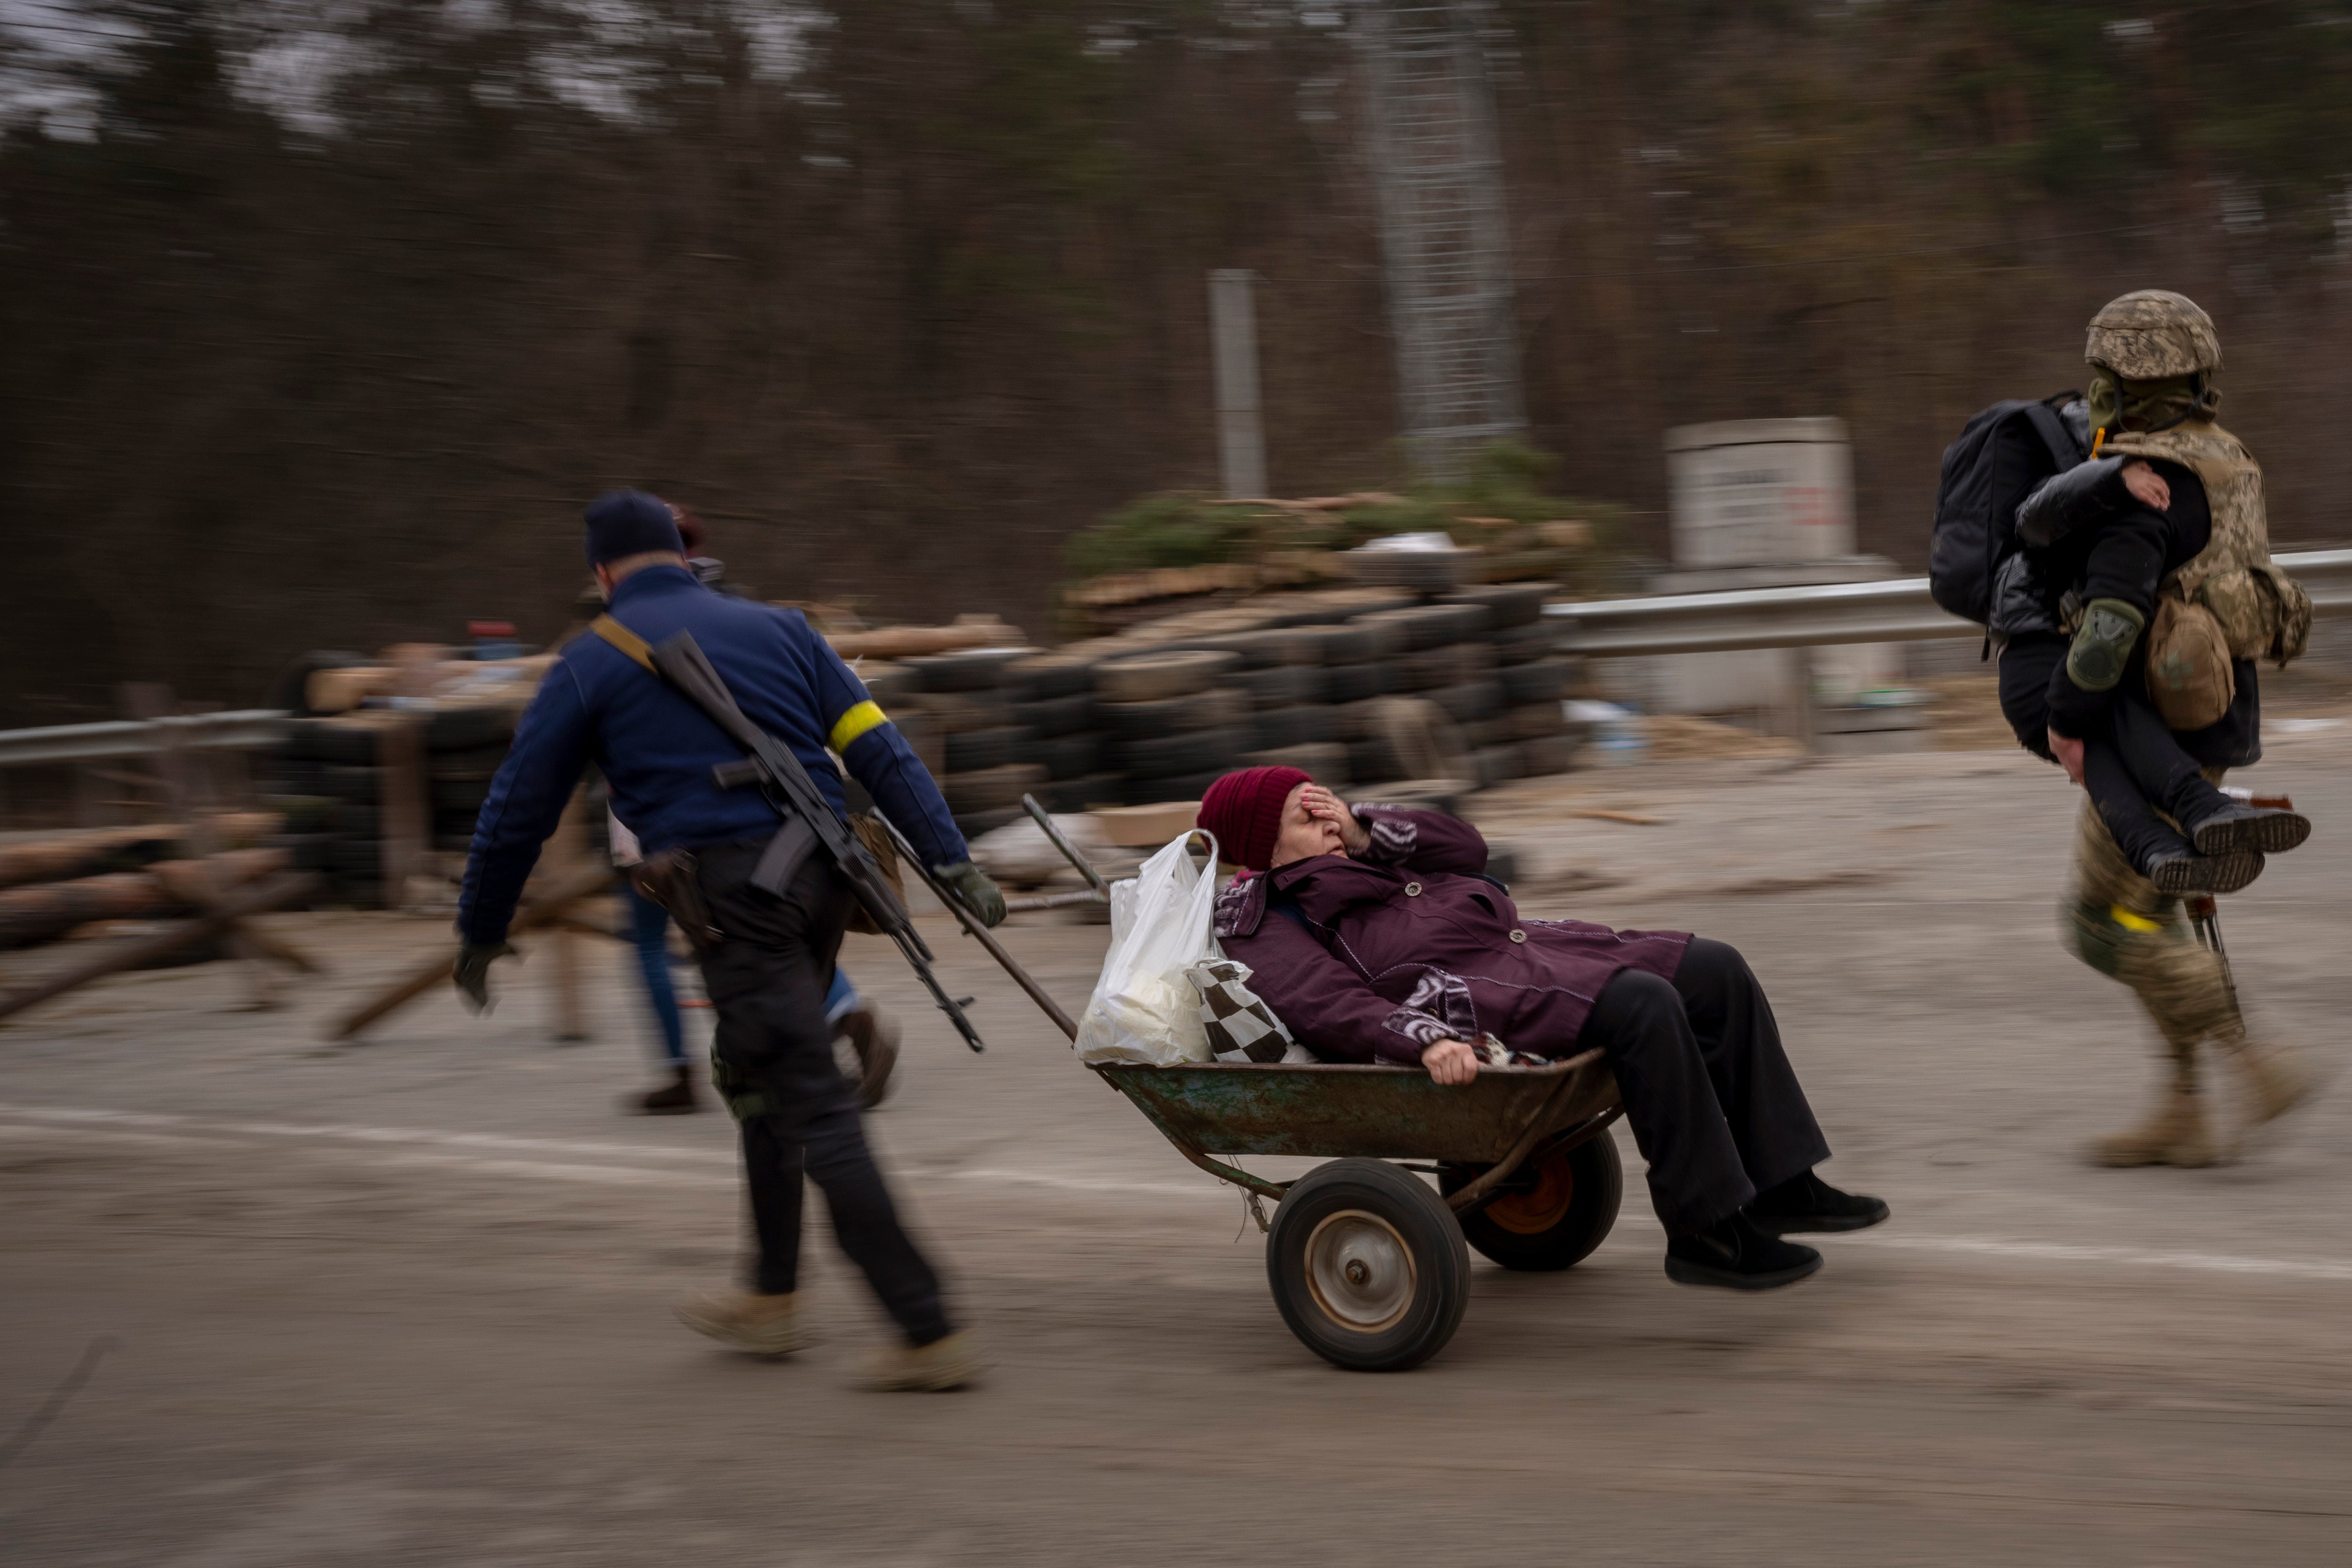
[(1713, 1102)]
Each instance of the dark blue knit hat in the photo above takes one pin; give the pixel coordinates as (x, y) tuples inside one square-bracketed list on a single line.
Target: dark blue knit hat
[(630, 522)]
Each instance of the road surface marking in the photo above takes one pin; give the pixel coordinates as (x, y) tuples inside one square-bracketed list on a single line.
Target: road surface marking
[(2146, 1258), (135, 1126)]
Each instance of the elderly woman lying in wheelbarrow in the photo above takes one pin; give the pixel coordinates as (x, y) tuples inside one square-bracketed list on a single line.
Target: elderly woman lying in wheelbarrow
[(1374, 936)]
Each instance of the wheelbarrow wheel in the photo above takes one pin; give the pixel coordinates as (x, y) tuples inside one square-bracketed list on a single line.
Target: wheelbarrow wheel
[(1368, 1267), (1554, 1210)]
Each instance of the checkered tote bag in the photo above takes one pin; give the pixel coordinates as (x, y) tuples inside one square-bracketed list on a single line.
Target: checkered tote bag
[(1240, 1026)]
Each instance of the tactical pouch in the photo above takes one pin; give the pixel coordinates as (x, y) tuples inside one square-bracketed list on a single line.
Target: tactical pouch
[(2262, 612), (2190, 676), (2292, 627), (877, 839), (667, 879)]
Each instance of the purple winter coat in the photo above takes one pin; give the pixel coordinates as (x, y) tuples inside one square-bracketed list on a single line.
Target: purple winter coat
[(1405, 944)]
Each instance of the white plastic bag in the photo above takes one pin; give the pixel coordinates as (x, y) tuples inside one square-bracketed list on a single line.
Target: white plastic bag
[(1143, 1008)]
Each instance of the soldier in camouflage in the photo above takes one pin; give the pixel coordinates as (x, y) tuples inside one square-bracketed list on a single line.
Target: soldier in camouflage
[(2153, 356)]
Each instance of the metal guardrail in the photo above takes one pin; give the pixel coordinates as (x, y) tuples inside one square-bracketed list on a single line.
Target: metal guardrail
[(136, 738), (1899, 611)]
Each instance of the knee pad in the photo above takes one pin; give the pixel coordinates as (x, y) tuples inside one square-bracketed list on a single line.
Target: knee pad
[(2110, 628)]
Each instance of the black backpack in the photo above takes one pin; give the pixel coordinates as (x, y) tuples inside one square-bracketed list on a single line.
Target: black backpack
[(1975, 503)]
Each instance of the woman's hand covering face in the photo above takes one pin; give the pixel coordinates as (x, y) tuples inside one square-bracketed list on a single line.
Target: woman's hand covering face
[(1315, 822)]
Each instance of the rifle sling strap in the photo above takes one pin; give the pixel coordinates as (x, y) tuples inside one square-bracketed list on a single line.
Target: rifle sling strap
[(781, 861), (627, 641)]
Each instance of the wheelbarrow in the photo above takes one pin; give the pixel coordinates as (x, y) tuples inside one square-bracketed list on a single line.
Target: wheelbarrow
[(1369, 1265)]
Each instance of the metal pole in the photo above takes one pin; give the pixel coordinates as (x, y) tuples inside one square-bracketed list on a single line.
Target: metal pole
[(1232, 329), (1445, 238)]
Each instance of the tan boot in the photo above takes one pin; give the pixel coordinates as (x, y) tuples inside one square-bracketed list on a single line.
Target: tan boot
[(2174, 1135), (2277, 1079), (933, 1368), (756, 1325)]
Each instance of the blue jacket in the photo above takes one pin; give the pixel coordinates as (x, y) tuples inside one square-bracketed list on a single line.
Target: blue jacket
[(656, 749)]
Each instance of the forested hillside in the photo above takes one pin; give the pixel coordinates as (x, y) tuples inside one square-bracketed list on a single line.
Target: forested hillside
[(319, 333)]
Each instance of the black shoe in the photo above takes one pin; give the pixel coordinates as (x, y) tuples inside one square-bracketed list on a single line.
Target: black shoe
[(676, 1098), (2181, 873), (1808, 1204), (1736, 1256), (2249, 830), (873, 1035)]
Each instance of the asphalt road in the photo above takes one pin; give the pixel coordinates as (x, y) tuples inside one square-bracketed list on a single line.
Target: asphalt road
[(268, 1301)]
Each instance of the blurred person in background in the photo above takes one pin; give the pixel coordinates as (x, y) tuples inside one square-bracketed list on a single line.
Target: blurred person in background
[(771, 952), (2219, 604), (649, 930)]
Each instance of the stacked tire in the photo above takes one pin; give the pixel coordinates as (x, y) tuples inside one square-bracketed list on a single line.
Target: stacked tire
[(987, 758), (1435, 653), (1525, 734), (462, 750), (1173, 719), (326, 782), (1052, 697), (1285, 687)]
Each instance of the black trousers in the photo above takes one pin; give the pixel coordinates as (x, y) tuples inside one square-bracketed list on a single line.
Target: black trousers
[(2133, 766), (1714, 1105), (767, 979)]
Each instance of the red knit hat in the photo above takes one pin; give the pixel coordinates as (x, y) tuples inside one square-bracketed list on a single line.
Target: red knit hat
[(1245, 811)]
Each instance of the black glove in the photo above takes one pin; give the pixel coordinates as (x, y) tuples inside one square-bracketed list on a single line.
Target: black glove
[(974, 891), (472, 974)]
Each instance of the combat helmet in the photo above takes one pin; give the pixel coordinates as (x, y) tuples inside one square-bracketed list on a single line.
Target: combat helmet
[(2150, 334)]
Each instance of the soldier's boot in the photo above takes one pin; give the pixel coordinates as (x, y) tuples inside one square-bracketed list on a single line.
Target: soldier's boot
[(755, 1324), (2276, 1080), (2174, 1134), (935, 1368)]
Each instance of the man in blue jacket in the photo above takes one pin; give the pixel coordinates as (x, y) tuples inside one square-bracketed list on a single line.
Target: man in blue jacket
[(767, 971)]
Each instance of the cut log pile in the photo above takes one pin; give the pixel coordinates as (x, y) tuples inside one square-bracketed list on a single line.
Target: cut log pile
[(116, 848), (46, 912), (186, 895)]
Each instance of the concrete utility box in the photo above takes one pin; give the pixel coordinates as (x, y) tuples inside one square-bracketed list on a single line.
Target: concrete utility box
[(1764, 503), (1759, 493)]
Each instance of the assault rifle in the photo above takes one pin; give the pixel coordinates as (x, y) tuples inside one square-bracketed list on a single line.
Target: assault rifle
[(770, 764)]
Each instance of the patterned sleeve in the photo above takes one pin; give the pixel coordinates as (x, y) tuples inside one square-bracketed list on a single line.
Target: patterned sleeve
[(1418, 1026), (1421, 841)]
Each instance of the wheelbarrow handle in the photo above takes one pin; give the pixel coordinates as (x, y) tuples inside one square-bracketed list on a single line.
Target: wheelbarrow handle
[(1045, 821), (987, 939)]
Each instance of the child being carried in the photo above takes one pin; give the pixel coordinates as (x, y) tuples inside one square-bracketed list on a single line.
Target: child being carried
[(2113, 528)]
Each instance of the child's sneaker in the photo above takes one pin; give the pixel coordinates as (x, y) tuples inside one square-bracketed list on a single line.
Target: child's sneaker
[(2250, 829)]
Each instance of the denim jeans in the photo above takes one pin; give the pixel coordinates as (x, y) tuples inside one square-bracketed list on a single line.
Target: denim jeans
[(650, 928)]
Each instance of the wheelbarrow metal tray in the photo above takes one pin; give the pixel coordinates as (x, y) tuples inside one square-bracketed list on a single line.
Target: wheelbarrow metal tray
[(1332, 1111)]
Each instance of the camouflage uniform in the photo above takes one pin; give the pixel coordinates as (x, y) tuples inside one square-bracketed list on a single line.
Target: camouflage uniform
[(2117, 920), (2121, 926)]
